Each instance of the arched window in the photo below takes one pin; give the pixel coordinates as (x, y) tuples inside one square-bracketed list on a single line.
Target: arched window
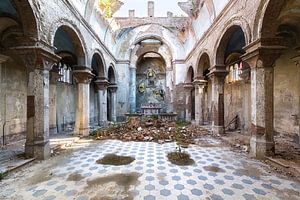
[(65, 72)]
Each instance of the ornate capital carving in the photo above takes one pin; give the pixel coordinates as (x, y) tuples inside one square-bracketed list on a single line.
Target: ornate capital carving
[(101, 83), (82, 74), (37, 57)]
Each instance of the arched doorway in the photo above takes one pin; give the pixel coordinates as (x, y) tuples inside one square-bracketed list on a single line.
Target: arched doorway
[(13, 74), (112, 95), (151, 84), (190, 95), (98, 69), (63, 88), (203, 74), (230, 110)]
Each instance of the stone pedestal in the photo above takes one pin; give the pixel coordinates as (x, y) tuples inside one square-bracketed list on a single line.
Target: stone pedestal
[(261, 57), (113, 90), (132, 90), (54, 76), (217, 77), (101, 86), (199, 100), (188, 101), (83, 77), (39, 62)]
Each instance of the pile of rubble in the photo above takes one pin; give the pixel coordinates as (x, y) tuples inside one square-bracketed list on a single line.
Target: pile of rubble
[(152, 130)]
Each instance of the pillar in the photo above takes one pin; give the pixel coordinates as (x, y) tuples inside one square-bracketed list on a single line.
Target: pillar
[(38, 61), (113, 90), (297, 62), (3, 59), (261, 57), (132, 89), (83, 77), (199, 101), (101, 86), (217, 77), (54, 76), (188, 101)]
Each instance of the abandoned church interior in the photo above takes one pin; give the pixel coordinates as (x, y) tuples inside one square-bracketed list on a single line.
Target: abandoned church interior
[(198, 103)]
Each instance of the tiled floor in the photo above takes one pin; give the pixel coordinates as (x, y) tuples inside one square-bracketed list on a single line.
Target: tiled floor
[(237, 177)]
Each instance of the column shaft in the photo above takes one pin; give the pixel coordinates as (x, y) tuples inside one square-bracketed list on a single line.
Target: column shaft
[(132, 90)]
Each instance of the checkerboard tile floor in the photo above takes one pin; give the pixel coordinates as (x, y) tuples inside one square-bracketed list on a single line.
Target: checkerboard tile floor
[(239, 177)]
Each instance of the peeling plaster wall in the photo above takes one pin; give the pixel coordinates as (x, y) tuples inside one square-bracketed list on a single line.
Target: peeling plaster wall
[(233, 102), (66, 106), (13, 101), (93, 105), (286, 94)]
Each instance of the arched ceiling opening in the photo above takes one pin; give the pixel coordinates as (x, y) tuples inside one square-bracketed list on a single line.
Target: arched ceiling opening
[(69, 46), (111, 75), (203, 65), (232, 42), (98, 68), (190, 75)]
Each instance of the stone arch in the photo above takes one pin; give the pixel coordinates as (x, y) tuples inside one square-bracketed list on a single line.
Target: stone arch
[(265, 23), (74, 33), (98, 64), (190, 75), (234, 32), (27, 17), (112, 74), (203, 63)]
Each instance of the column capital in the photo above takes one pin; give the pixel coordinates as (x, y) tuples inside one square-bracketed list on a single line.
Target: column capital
[(113, 88), (199, 82), (264, 52), (188, 86), (3, 58), (37, 57), (101, 83), (218, 71), (82, 74)]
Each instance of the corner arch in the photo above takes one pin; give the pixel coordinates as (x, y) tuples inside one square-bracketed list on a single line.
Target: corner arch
[(75, 34)]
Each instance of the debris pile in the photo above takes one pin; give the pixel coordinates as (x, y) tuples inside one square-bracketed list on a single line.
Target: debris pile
[(152, 130)]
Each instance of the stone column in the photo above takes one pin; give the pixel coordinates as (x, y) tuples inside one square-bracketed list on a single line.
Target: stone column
[(101, 86), (246, 76), (297, 62), (217, 77), (188, 101), (261, 57), (54, 76), (39, 61), (83, 77), (113, 89), (132, 89), (199, 100)]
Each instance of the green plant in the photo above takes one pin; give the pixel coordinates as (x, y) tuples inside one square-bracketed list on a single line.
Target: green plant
[(2, 176)]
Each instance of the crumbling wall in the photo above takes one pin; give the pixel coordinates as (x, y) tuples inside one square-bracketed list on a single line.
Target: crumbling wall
[(286, 94), (13, 101), (66, 106), (93, 105)]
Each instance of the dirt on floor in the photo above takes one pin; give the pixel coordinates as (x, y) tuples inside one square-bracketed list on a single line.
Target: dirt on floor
[(286, 160)]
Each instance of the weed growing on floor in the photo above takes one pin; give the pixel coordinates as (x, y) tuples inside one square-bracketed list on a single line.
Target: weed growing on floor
[(2, 176)]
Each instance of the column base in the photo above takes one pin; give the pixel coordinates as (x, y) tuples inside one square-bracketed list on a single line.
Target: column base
[(52, 130), (259, 147), (85, 132), (41, 151), (218, 130)]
